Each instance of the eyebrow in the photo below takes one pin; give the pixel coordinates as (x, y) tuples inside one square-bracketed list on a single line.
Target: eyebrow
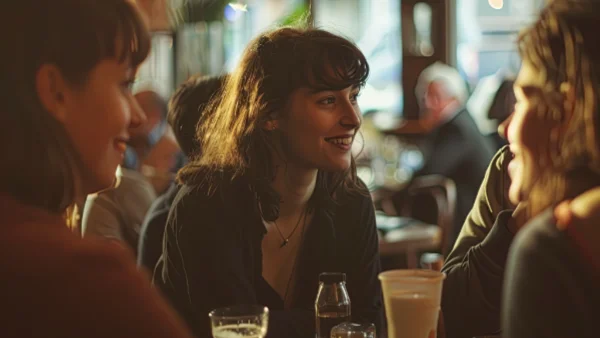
[(317, 90)]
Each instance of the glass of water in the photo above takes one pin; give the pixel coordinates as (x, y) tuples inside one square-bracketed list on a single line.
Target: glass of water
[(250, 321)]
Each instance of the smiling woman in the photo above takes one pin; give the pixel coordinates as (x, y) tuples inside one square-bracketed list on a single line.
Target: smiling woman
[(65, 78), (551, 283), (274, 200)]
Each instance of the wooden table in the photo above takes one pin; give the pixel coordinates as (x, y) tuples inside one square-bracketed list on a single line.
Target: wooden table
[(410, 240)]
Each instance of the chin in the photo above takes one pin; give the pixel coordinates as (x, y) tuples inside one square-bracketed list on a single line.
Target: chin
[(103, 182), (337, 167), (514, 194)]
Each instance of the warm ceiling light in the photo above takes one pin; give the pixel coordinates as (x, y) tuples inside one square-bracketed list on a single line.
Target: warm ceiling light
[(496, 4)]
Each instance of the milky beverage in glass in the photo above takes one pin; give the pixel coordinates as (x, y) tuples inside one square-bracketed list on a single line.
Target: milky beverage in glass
[(412, 302), (415, 315)]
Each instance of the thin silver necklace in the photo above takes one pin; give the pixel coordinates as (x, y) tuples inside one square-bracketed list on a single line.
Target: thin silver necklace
[(286, 240), (287, 287)]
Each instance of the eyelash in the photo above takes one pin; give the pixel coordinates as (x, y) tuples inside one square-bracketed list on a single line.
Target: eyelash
[(353, 99)]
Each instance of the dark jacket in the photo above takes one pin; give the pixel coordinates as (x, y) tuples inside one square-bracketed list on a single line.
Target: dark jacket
[(214, 259), (456, 149), (475, 268), (153, 229)]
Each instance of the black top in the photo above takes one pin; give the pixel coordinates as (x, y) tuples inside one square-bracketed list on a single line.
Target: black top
[(219, 240), (153, 229), (551, 286), (458, 151)]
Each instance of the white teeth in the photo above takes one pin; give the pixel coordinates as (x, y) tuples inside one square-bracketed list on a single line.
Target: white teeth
[(343, 140)]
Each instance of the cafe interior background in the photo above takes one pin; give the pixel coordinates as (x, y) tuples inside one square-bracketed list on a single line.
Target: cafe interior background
[(400, 38)]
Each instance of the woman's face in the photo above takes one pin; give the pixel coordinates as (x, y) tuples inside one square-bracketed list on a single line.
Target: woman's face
[(97, 117), (528, 134), (318, 128)]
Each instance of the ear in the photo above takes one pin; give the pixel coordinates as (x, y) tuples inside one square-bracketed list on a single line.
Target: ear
[(51, 87)]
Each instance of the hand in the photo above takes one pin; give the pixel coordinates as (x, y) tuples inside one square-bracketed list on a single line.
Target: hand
[(584, 209), (581, 216)]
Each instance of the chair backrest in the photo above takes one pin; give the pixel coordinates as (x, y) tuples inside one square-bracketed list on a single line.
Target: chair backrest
[(442, 191)]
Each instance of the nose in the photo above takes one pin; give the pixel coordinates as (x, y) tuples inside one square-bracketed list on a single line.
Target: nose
[(352, 117), (503, 127), (138, 116)]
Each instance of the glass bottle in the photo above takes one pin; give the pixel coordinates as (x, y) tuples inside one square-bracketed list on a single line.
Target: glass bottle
[(332, 306)]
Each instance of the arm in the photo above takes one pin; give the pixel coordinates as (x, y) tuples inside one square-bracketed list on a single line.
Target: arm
[(101, 218), (475, 267)]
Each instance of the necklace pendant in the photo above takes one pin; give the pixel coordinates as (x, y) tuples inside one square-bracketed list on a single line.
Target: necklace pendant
[(284, 243)]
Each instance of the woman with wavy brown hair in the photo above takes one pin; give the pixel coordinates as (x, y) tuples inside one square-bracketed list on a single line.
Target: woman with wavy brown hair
[(551, 286), (66, 70), (274, 200)]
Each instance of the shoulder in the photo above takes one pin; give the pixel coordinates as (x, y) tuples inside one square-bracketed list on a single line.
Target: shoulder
[(355, 200), (355, 208), (200, 209), (541, 241)]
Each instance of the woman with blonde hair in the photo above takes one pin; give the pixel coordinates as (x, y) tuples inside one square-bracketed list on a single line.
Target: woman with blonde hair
[(65, 78), (274, 200), (551, 286)]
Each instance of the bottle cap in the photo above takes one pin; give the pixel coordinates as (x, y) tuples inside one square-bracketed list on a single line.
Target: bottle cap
[(332, 277)]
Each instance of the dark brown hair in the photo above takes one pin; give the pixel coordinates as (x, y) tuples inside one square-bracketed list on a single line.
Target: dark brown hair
[(187, 105), (563, 46), (274, 64), (40, 165)]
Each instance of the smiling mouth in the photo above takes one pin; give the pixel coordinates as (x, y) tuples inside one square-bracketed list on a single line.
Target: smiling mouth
[(343, 141)]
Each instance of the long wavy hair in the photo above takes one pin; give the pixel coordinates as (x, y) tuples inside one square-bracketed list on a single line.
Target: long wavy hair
[(274, 64), (563, 46)]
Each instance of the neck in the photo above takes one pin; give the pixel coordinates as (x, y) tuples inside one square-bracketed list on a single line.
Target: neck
[(295, 186)]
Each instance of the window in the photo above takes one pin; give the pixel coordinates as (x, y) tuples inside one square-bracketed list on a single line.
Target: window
[(375, 27), (487, 32)]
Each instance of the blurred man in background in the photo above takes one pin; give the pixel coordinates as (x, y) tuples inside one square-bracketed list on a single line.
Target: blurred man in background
[(454, 146)]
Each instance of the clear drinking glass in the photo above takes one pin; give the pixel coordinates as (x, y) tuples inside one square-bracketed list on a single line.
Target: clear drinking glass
[(412, 301), (239, 321), (353, 330)]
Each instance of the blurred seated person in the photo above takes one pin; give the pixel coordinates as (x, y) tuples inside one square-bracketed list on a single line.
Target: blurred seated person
[(492, 101), (273, 201), (553, 270), (454, 147), (117, 214), (185, 109)]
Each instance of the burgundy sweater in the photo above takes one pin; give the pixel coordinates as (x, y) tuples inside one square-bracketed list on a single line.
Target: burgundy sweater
[(55, 284)]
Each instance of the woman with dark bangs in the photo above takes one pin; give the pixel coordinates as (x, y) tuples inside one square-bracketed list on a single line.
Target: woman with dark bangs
[(553, 269), (65, 77), (274, 199)]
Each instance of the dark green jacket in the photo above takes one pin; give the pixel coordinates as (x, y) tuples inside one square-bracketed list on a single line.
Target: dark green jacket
[(475, 268)]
